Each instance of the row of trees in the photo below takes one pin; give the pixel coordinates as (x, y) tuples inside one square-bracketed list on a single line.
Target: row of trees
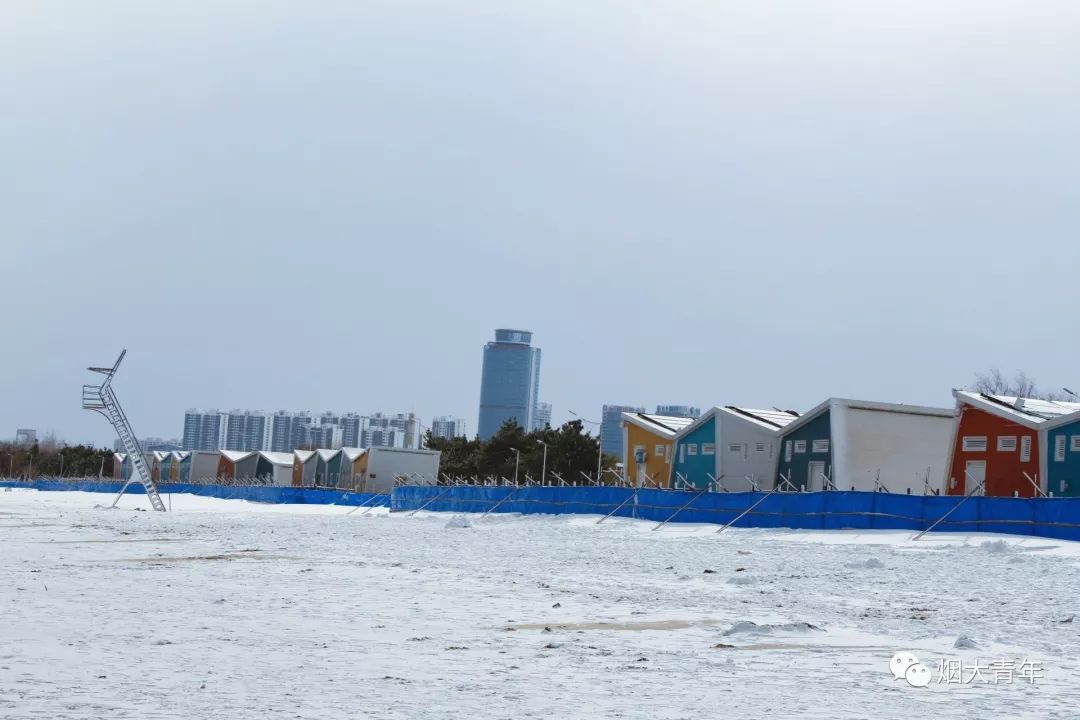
[(51, 460), (570, 452), (1021, 384)]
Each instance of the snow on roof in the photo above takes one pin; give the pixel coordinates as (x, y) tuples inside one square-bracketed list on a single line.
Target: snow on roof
[(181, 454), (160, 455), (327, 454), (353, 453), (666, 425), (1030, 411), (772, 419), (278, 458), (236, 455), (303, 455), (120, 456)]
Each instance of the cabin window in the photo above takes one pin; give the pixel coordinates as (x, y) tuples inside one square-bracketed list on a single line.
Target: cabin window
[(1059, 448), (800, 446), (759, 447), (691, 449), (975, 443), (1075, 443), (661, 450), (708, 448), (1006, 443), (787, 451), (1025, 449), (735, 448), (820, 446)]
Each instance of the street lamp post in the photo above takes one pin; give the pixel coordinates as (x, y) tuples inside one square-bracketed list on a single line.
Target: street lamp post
[(61, 464), (517, 464), (600, 447), (543, 467)]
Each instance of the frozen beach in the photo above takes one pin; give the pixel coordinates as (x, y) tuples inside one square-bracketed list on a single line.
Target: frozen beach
[(231, 609)]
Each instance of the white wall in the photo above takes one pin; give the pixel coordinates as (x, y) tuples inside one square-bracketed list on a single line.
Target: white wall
[(204, 465), (385, 463), (735, 467), (901, 445)]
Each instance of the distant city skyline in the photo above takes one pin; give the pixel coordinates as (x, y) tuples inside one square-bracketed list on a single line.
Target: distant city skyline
[(285, 431)]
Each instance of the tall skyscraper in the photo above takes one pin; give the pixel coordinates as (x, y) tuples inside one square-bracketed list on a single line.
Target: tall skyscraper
[(247, 431), (682, 411), (204, 430), (448, 427), (509, 382), (611, 428), (289, 430), (543, 416)]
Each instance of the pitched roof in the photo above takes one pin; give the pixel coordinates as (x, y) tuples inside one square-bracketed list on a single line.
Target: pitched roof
[(353, 453), (303, 455), (771, 419), (664, 425), (820, 408), (277, 458), (236, 455), (1027, 411)]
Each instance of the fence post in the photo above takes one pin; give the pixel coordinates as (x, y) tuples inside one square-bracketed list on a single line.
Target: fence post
[(953, 508), (688, 503), (746, 512), (631, 496)]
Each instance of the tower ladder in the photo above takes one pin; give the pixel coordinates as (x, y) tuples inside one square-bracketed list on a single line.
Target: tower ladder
[(102, 399)]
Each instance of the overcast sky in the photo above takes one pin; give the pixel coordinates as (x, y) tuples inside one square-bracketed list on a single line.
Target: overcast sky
[(332, 205)]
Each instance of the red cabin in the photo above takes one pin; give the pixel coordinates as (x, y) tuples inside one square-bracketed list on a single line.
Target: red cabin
[(997, 444)]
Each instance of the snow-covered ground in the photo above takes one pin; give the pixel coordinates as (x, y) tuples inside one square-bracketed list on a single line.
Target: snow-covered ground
[(229, 609)]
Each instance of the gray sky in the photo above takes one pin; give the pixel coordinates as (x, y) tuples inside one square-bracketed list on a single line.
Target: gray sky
[(332, 205)]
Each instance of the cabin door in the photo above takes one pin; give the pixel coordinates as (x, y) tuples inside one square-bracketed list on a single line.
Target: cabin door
[(974, 474), (815, 476)]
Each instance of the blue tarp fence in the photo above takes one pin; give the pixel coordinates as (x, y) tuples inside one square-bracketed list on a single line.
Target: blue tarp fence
[(1042, 517), (255, 493)]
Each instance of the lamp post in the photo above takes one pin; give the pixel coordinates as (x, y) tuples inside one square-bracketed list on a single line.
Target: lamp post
[(600, 447), (517, 463), (61, 464), (543, 467)]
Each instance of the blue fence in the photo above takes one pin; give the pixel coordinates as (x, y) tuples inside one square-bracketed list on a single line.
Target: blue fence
[(1042, 517), (254, 493)]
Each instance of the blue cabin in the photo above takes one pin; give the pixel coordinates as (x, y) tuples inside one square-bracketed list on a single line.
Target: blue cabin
[(1062, 456)]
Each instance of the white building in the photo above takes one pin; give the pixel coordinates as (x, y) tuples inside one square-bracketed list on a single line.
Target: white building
[(861, 445), (386, 465), (448, 427)]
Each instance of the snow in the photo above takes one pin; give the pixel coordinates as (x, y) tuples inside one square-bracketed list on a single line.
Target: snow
[(230, 609)]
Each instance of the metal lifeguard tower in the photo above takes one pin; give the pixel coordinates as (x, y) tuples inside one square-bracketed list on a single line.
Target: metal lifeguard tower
[(102, 399)]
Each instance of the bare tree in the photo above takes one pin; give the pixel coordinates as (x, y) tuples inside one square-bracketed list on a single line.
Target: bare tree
[(1020, 385)]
